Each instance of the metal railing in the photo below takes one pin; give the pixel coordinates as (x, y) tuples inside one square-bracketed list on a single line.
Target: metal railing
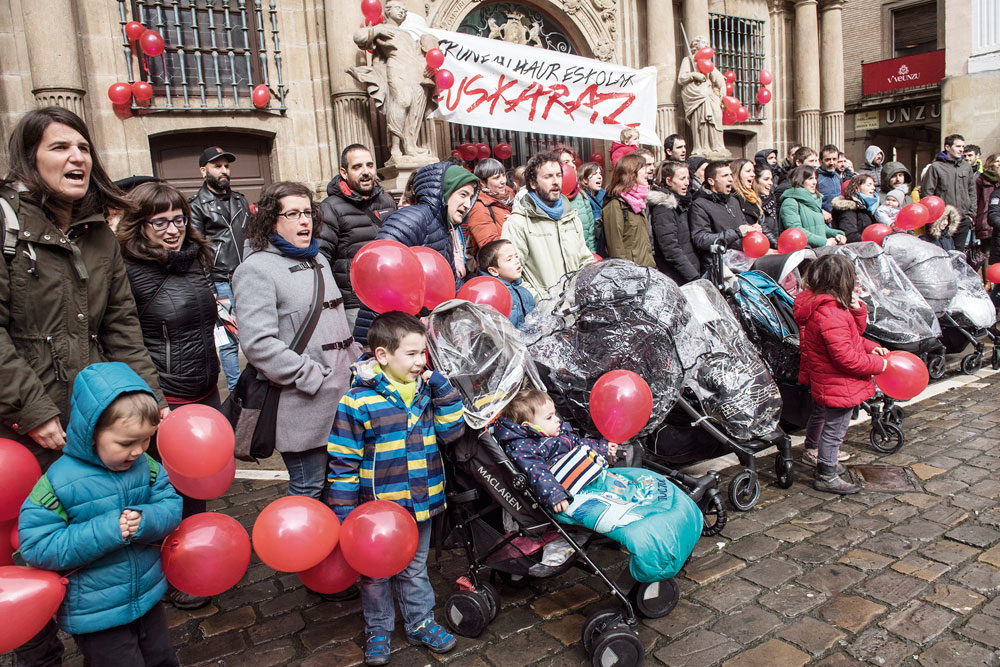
[(739, 46), (216, 52), (523, 144)]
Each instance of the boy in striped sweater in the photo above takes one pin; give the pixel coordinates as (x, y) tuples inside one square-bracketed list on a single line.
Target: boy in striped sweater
[(384, 445)]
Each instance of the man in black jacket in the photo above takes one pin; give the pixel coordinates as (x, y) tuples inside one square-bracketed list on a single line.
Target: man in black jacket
[(352, 215), (221, 216), (715, 217)]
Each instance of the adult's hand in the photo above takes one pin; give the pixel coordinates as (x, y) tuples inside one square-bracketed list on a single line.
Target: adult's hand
[(49, 435), (831, 241), (746, 229), (164, 412), (827, 216), (841, 239)]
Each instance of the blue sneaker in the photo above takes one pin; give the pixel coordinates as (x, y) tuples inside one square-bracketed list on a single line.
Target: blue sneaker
[(433, 636), (376, 649)]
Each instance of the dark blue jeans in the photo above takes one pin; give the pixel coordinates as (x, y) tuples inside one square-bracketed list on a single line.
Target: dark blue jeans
[(229, 354)]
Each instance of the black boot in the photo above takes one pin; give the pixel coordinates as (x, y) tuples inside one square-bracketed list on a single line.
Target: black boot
[(827, 480)]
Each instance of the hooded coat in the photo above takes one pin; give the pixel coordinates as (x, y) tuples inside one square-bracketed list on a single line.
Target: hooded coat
[(761, 157), (869, 167), (946, 225), (800, 208), (673, 251), (71, 519), (851, 217), (890, 169), (837, 362)]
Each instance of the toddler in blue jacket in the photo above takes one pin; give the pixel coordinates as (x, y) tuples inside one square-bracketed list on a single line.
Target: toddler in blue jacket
[(499, 260), (98, 514)]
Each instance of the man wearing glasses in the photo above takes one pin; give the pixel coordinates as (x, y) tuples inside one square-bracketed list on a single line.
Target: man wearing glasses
[(221, 216)]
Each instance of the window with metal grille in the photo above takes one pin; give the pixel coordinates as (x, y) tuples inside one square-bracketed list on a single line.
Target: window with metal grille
[(914, 29), (216, 52), (739, 46)]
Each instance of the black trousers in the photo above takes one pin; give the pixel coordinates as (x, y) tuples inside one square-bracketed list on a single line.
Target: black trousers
[(143, 642)]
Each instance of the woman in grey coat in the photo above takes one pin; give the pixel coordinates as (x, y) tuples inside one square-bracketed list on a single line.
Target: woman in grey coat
[(273, 288)]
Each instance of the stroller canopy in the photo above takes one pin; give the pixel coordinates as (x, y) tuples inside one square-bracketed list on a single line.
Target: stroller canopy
[(927, 266), (607, 316), (971, 307)]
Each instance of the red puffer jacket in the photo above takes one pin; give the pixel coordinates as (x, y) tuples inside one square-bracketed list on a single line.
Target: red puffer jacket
[(836, 361)]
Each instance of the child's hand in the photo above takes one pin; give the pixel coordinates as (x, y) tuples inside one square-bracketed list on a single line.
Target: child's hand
[(123, 525), (612, 451), (426, 375), (561, 506), (881, 351), (132, 519), (885, 364), (855, 303)]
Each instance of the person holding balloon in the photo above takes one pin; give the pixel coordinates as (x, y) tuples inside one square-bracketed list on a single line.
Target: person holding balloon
[(750, 202), (837, 362), (801, 207), (100, 511), (385, 442)]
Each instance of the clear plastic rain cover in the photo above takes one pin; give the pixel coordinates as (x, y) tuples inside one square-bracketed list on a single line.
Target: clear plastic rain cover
[(607, 316), (971, 307), (728, 377), (897, 313), (482, 355), (927, 266)]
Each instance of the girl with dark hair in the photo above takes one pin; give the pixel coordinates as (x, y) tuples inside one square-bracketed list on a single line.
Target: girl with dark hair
[(274, 293), (801, 206), (625, 228), (855, 208)]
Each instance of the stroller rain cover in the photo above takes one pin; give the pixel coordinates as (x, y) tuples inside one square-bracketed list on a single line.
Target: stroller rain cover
[(971, 306), (607, 316), (927, 266)]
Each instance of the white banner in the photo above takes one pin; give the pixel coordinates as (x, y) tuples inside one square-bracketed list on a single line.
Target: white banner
[(529, 89)]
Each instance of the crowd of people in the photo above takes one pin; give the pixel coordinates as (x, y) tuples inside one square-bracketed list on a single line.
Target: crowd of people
[(163, 287)]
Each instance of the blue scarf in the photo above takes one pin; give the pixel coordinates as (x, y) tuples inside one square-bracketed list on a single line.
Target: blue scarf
[(554, 212), (871, 203), (289, 250)]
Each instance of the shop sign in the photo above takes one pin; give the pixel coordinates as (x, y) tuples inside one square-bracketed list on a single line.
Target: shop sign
[(865, 121), (884, 76), (913, 114)]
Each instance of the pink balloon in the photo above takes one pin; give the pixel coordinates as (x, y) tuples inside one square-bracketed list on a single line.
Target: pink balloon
[(333, 574), (207, 554), (912, 216), (295, 533), (438, 277), (730, 89), (705, 66), (620, 405), (142, 91), (792, 239), (728, 117), (28, 599), (119, 93), (444, 79), (763, 95), (934, 206), (379, 538), (755, 245), (434, 58), (487, 291), (730, 77), (742, 114), (371, 9), (705, 53), (134, 30), (386, 276), (204, 488), (765, 77), (731, 103), (151, 43), (195, 440), (19, 470), (904, 377), (876, 233)]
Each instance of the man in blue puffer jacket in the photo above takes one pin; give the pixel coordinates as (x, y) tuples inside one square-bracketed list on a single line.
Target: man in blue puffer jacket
[(99, 511)]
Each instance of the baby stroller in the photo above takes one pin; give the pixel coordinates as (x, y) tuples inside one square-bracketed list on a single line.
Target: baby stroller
[(493, 513), (615, 314), (970, 317)]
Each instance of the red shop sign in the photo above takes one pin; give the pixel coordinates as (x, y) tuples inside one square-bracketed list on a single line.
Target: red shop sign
[(923, 69)]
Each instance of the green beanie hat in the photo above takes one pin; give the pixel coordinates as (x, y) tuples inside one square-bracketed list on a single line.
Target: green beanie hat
[(454, 178)]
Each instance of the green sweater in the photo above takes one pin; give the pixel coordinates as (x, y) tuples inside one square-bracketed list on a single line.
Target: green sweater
[(801, 208)]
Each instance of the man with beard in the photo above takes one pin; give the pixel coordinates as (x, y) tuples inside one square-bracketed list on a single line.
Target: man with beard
[(352, 215), (221, 216), (545, 228), (715, 217)]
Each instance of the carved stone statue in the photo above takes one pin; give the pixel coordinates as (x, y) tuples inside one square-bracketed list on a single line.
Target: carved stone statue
[(702, 98), (398, 81)]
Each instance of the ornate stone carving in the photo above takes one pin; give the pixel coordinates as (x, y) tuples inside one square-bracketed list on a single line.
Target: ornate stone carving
[(702, 97), (398, 81)]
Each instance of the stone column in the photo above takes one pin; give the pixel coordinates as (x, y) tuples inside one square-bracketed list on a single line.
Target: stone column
[(663, 55), (695, 17), (349, 100), (832, 72), (806, 50), (52, 38), (780, 65)]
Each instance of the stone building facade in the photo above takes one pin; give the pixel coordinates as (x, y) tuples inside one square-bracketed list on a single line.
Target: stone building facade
[(69, 52)]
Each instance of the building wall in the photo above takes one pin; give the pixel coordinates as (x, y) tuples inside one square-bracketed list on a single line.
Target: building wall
[(862, 43)]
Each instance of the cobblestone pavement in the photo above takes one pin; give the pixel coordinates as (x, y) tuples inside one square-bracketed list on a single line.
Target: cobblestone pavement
[(803, 578)]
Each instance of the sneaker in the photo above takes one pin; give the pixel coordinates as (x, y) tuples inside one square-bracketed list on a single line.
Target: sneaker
[(827, 480), (377, 649), (432, 636), (182, 600), (809, 458)]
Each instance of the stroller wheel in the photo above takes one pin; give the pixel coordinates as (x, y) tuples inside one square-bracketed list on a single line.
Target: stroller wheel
[(492, 598), (783, 471), (596, 624), (995, 359), (886, 438), (936, 366), (971, 363), (467, 613), (744, 490), (715, 515), (656, 599), (895, 415), (618, 646)]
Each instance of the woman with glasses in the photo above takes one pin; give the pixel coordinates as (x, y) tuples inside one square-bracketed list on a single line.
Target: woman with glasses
[(273, 288)]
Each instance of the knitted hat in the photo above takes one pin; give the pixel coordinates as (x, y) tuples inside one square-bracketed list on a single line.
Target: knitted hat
[(695, 162), (899, 194), (454, 178)]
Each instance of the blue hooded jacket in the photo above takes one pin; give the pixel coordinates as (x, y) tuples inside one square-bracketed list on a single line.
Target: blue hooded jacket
[(71, 519), (521, 301)]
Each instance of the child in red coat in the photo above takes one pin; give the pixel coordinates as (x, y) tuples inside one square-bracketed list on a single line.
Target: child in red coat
[(837, 362)]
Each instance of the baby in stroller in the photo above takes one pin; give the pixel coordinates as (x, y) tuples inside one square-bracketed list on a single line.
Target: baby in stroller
[(656, 521)]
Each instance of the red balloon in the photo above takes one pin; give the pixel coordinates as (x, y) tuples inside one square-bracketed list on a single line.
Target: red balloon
[(438, 277), (503, 151), (469, 152), (569, 178), (444, 79), (934, 206), (705, 66), (904, 377), (597, 158), (204, 488), (8, 534), (792, 239), (763, 95), (742, 114), (19, 470), (134, 30), (993, 273), (386, 275), (379, 538), (755, 245), (912, 216), (455, 153), (142, 91), (371, 9), (28, 599), (120, 93), (620, 405), (332, 575), (876, 232), (728, 117), (482, 151), (730, 89), (196, 441), (295, 533), (731, 103), (730, 77), (765, 77), (705, 53), (151, 43), (596, 257), (434, 58), (260, 96), (208, 554), (487, 291), (15, 539)]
